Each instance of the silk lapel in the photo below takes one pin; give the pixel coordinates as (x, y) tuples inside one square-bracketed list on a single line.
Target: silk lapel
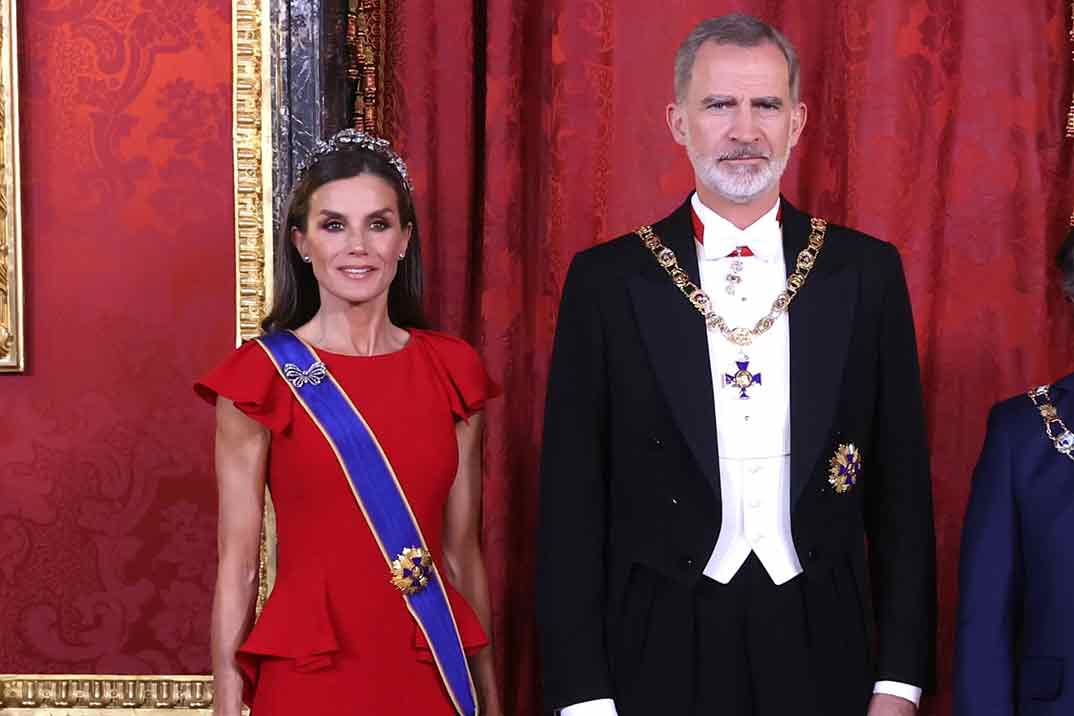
[(820, 324), (674, 335)]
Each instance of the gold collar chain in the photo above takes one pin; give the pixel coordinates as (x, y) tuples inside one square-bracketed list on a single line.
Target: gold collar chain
[(741, 336), (1054, 427)]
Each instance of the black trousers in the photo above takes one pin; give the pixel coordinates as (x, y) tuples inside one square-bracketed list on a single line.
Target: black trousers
[(749, 648)]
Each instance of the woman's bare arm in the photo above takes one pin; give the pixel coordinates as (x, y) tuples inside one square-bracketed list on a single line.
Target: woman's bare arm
[(463, 564), (242, 447)]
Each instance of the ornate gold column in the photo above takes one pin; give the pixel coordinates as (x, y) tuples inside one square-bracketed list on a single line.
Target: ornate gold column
[(252, 136)]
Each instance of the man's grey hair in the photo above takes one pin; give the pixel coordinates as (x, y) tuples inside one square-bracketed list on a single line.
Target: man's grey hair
[(735, 29)]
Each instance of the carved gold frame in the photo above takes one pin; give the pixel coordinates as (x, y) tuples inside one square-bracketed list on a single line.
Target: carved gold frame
[(12, 346), (252, 137), (99, 695)]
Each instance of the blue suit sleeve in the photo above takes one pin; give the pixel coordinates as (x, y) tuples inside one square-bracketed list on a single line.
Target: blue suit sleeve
[(990, 584)]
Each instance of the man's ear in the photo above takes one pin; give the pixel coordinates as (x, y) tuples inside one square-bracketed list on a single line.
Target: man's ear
[(676, 119), (799, 115)]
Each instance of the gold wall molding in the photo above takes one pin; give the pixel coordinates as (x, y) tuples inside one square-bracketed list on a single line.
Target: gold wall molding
[(12, 346), (100, 695), (252, 138)]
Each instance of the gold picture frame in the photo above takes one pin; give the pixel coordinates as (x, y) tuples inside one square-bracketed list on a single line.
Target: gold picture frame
[(12, 345)]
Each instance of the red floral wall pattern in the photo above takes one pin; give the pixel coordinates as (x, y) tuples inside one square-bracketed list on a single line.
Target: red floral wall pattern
[(535, 128), (107, 504)]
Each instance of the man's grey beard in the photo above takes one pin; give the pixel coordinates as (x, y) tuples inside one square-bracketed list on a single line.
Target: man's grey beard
[(741, 184)]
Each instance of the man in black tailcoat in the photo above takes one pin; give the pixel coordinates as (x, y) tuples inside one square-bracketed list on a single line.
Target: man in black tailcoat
[(736, 514)]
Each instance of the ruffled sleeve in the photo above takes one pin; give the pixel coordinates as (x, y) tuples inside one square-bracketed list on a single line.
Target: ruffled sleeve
[(463, 374), (248, 378)]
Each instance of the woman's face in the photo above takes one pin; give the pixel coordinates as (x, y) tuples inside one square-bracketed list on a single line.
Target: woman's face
[(354, 239)]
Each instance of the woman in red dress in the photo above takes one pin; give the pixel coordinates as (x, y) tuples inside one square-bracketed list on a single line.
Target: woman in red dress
[(335, 636)]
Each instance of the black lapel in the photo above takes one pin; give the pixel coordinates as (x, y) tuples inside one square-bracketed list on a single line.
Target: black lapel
[(674, 334), (820, 324)]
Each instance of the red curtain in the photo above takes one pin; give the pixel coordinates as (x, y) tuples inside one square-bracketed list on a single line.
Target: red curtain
[(535, 128)]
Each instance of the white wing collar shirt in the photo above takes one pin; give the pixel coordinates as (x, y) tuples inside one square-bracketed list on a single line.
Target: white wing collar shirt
[(752, 393), (752, 420)]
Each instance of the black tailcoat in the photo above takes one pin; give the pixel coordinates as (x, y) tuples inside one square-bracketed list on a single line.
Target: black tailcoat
[(630, 489)]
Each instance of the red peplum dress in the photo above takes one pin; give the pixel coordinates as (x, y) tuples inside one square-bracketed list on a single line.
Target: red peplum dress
[(335, 636)]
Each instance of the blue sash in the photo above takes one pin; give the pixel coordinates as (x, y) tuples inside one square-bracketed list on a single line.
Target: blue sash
[(381, 499)]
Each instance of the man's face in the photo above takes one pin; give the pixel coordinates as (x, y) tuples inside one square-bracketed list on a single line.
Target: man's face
[(737, 121)]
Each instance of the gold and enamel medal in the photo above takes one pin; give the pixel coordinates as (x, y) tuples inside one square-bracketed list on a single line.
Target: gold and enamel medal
[(742, 378)]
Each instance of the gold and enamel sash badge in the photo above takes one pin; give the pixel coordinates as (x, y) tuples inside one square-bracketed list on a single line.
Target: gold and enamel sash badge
[(844, 468)]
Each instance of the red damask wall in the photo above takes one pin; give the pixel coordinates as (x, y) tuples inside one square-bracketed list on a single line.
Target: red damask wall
[(106, 494)]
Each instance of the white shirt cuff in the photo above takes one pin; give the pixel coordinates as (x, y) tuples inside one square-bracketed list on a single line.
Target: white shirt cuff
[(600, 707), (606, 707), (897, 688)]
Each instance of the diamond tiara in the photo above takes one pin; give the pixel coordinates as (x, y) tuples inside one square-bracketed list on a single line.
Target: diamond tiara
[(346, 138)]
